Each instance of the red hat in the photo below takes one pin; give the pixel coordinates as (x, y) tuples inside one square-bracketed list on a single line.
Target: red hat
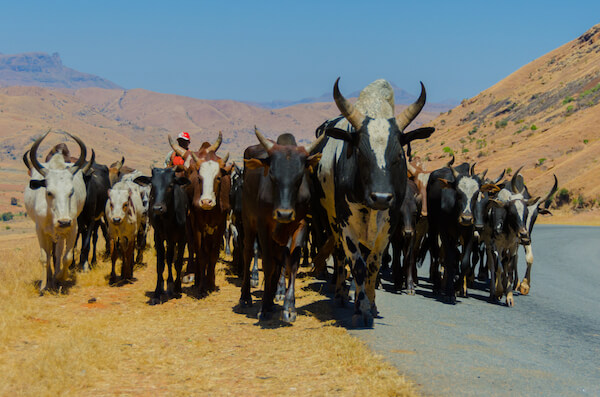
[(184, 135)]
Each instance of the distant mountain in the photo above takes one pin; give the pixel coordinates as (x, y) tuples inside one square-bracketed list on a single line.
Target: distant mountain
[(42, 70), (401, 97)]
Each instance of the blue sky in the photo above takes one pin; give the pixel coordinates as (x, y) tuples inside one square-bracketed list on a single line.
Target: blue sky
[(268, 50)]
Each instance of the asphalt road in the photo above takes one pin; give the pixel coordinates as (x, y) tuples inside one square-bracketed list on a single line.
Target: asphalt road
[(548, 344)]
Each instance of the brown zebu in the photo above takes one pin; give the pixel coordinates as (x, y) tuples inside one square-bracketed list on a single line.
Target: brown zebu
[(274, 206), (208, 192)]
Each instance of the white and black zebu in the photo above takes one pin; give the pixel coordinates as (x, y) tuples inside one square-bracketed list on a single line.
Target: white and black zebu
[(54, 198), (361, 182)]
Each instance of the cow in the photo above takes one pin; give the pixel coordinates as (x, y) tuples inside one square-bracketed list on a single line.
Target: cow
[(117, 170), (275, 203), (54, 197), (361, 182), (124, 212), (208, 193), (452, 194), (533, 210), (145, 222), (168, 208), (408, 238)]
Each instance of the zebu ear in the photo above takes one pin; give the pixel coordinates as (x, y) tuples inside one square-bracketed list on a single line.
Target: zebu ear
[(224, 190), (143, 180), (253, 164), (544, 211), (313, 161), (419, 133), (490, 187), (338, 133), (445, 183), (36, 184), (495, 203)]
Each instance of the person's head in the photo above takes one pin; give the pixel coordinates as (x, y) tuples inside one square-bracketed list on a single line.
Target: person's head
[(183, 139)]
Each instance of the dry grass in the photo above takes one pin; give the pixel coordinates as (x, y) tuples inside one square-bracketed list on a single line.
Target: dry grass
[(119, 345)]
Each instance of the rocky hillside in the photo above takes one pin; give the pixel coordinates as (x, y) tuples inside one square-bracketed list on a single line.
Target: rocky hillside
[(544, 117), (42, 70)]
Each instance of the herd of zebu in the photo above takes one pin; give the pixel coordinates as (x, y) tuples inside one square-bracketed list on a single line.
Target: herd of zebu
[(351, 192)]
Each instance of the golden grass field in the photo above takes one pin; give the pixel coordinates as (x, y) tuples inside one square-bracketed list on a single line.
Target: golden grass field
[(61, 344)]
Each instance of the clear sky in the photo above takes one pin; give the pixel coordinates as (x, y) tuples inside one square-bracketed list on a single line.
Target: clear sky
[(267, 50)]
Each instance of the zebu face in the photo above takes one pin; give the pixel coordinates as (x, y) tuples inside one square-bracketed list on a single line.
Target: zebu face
[(59, 191), (209, 176), (381, 163), (467, 191), (517, 214), (286, 173), (119, 205)]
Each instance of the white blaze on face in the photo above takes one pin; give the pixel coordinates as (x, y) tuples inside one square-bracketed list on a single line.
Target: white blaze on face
[(209, 171), (379, 133), (520, 207), (468, 187)]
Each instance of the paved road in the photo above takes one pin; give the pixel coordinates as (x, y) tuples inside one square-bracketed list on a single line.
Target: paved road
[(548, 344)]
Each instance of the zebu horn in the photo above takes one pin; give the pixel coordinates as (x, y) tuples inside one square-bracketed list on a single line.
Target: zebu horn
[(268, 145), (226, 158), (33, 155), (349, 111), (500, 177), (90, 163), (26, 161), (552, 191), (513, 181), (215, 146), (411, 112), (483, 174), (314, 144), (176, 148), (472, 170), (449, 165), (81, 160), (120, 164)]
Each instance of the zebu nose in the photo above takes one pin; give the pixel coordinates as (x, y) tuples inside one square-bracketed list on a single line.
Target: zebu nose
[(159, 209), (466, 220), (524, 236), (116, 221), (408, 233), (284, 216), (381, 200), (207, 204), (64, 222)]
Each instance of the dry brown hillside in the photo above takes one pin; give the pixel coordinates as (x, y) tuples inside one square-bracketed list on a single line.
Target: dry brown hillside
[(544, 117)]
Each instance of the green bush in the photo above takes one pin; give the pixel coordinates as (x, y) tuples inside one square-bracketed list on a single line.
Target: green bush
[(448, 150), (533, 127), (501, 123), (541, 161), (568, 99), (474, 130), (585, 141), (465, 150), (7, 216)]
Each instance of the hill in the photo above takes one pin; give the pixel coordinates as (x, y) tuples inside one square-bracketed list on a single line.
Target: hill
[(42, 70), (544, 117)]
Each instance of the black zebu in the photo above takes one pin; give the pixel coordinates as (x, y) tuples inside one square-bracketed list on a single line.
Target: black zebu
[(361, 183), (274, 206), (168, 209)]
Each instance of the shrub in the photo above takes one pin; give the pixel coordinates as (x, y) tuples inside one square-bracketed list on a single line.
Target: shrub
[(533, 127), (474, 130), (541, 160), (501, 123), (585, 141), (7, 216), (509, 170), (465, 150), (481, 143), (568, 99), (448, 150)]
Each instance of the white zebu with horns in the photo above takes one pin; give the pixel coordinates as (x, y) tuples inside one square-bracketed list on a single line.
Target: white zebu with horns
[(54, 198), (361, 183)]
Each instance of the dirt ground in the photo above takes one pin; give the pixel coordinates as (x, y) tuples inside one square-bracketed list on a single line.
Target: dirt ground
[(99, 340)]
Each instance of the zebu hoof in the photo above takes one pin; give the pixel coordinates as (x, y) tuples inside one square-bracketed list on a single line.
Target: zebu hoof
[(264, 315), (524, 287), (340, 301), (245, 303), (450, 299), (374, 311), (254, 281), (510, 302), (188, 278), (494, 300), (279, 297), (410, 291), (364, 319), (288, 316), (155, 301)]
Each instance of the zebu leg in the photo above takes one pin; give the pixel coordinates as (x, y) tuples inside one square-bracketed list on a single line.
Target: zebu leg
[(525, 284)]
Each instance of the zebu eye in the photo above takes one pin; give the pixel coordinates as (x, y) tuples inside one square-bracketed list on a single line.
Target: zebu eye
[(49, 194)]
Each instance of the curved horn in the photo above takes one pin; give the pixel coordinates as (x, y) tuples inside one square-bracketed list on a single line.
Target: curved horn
[(513, 181), (196, 159), (349, 111), (552, 191), (268, 145), (176, 148), (215, 146), (120, 165), (226, 158), (81, 160), (449, 165), (411, 112), (314, 144), (472, 170), (483, 174), (33, 155), (26, 161), (90, 163), (500, 177)]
